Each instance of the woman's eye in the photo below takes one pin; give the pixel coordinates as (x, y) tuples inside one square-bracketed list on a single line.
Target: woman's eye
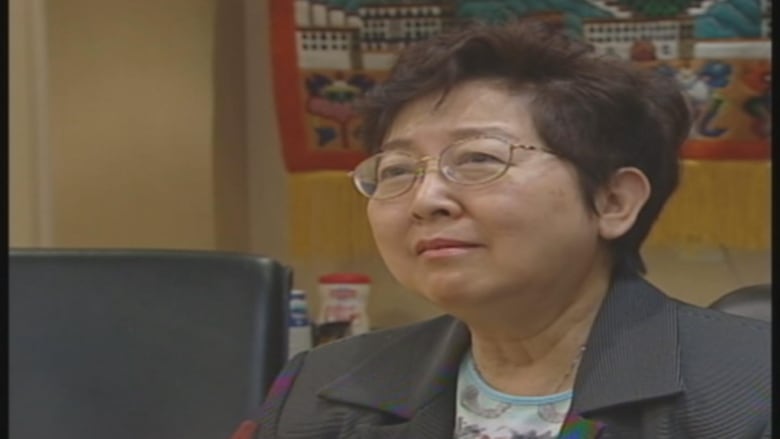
[(477, 157), (387, 172)]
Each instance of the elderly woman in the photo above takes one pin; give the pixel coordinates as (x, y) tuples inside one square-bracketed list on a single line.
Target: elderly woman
[(513, 179)]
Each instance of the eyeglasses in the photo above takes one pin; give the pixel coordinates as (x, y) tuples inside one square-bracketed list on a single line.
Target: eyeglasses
[(471, 161)]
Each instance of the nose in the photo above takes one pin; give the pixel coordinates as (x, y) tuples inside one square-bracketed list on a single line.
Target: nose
[(432, 195)]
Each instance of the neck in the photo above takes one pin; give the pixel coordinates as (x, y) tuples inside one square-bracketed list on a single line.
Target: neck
[(533, 353)]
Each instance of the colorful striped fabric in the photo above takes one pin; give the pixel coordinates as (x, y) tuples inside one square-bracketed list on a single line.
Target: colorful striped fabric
[(577, 427)]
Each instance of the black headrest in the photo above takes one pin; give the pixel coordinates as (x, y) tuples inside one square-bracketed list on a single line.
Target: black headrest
[(754, 301), (141, 344)]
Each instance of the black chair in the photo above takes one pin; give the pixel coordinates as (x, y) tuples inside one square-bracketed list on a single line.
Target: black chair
[(754, 301), (141, 344)]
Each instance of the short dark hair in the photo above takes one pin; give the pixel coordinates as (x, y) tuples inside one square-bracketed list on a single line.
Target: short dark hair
[(598, 113)]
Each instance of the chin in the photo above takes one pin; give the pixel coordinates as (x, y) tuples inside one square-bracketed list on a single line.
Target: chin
[(451, 292), (458, 303)]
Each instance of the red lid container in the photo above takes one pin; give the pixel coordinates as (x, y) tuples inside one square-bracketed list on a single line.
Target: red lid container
[(344, 278)]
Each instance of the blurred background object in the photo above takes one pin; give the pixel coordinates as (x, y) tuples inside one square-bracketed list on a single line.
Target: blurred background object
[(754, 301), (300, 328)]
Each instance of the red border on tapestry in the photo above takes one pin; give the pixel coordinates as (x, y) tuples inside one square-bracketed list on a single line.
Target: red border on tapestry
[(695, 149), (288, 100)]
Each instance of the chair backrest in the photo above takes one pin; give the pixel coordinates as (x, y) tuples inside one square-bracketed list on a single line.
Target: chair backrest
[(753, 301), (138, 344)]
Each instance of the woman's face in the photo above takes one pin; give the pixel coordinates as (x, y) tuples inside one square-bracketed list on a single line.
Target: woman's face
[(527, 232)]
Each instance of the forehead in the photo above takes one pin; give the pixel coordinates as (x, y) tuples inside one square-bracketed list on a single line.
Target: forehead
[(470, 108)]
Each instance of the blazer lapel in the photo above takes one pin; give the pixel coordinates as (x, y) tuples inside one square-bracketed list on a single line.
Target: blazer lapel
[(633, 354), (436, 420), (413, 380)]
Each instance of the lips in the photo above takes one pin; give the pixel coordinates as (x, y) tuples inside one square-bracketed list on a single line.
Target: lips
[(440, 243)]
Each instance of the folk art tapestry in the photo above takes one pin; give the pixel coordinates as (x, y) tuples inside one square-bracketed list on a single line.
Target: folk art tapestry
[(328, 53)]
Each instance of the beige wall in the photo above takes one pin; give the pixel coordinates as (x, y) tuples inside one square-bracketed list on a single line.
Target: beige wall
[(128, 124), (267, 175), (131, 121), (27, 122)]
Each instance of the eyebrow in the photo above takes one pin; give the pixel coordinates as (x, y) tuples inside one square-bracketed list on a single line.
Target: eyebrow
[(454, 135)]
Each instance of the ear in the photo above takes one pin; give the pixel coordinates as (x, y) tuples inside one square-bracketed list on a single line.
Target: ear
[(618, 203)]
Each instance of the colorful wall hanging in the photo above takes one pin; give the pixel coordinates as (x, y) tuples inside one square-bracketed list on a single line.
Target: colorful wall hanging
[(327, 53)]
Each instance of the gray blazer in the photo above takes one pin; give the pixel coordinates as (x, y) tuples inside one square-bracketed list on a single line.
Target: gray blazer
[(654, 368)]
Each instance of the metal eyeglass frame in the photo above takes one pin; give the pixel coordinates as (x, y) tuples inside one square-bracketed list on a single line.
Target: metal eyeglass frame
[(422, 165)]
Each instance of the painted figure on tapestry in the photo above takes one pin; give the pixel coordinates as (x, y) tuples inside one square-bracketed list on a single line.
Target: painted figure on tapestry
[(703, 87), (758, 79), (330, 98)]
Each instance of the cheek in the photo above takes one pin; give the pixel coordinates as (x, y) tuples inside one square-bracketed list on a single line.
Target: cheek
[(562, 190), (565, 199), (549, 204), (566, 217), (565, 206)]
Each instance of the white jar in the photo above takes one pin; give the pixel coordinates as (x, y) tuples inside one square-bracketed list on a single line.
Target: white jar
[(344, 297)]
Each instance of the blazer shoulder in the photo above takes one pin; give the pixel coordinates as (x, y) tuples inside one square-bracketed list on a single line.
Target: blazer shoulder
[(708, 326), (726, 370), (712, 339)]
